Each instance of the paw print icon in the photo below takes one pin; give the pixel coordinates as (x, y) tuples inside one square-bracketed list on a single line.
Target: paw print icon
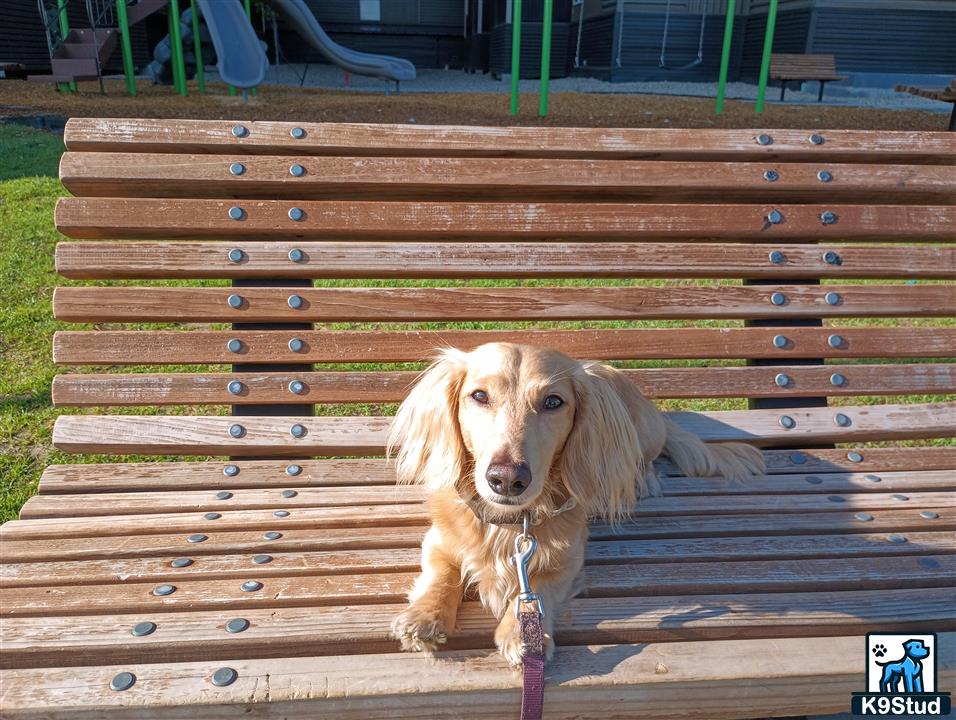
[(879, 650)]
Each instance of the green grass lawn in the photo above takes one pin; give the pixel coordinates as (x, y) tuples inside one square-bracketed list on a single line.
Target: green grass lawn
[(28, 192)]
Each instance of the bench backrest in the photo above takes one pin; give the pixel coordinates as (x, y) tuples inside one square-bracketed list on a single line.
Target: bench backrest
[(796, 65), (569, 221)]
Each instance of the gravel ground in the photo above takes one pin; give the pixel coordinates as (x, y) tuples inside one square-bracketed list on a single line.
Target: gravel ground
[(442, 81), (582, 109)]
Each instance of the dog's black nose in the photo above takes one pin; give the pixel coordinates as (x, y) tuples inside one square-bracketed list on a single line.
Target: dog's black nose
[(509, 479)]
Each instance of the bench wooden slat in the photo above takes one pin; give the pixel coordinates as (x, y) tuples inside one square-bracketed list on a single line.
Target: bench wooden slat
[(793, 66), (749, 499), (128, 347), (82, 640), (362, 178), (172, 499), (408, 559), (80, 696), (150, 259), (303, 537), (208, 435), (348, 387), (146, 304), (653, 579), (271, 138), (135, 218), (45, 536), (106, 503), (782, 465), (331, 539), (581, 684), (944, 94)]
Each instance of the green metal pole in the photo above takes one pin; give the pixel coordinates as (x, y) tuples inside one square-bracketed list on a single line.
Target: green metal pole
[(249, 16), (197, 49), (546, 57), (127, 46), (515, 53), (176, 48), (725, 53), (767, 47), (64, 32)]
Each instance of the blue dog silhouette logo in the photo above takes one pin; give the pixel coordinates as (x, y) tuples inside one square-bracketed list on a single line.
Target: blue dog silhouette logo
[(901, 677), (905, 674)]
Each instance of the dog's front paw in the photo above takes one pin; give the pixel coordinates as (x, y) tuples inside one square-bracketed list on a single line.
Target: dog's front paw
[(419, 630), (508, 642)]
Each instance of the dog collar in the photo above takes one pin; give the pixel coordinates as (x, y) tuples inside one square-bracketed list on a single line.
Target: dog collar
[(479, 510)]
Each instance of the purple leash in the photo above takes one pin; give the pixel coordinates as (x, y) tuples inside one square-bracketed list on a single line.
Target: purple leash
[(532, 666), (529, 611)]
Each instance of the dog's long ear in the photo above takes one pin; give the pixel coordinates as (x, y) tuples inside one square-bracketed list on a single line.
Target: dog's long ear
[(424, 437), (602, 463)]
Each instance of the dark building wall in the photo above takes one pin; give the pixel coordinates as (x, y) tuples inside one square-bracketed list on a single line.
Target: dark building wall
[(394, 12), (426, 32), (424, 50), (532, 11), (643, 37), (887, 40), (641, 42), (597, 45), (530, 50), (790, 36)]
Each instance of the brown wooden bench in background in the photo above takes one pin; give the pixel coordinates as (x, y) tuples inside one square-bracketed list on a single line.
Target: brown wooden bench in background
[(945, 94), (263, 581), (788, 67)]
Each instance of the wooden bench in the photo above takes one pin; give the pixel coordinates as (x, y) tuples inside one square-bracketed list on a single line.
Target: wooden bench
[(787, 67), (262, 578), (946, 94)]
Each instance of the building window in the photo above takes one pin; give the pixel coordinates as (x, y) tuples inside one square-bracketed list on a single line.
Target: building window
[(370, 10)]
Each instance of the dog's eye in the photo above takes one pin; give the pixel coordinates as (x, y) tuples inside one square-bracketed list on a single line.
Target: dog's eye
[(552, 402), (480, 396)]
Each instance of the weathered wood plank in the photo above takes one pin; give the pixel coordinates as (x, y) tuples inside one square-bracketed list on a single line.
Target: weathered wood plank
[(690, 496), (124, 503), (276, 632), (348, 387), (136, 174), (46, 541), (149, 259), (157, 476), (408, 559), (581, 685), (133, 218), (129, 347), (793, 518), (703, 678), (651, 579), (211, 435), (676, 302), (268, 137), (252, 540)]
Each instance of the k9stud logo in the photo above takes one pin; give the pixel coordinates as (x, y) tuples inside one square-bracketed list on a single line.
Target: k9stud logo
[(901, 677)]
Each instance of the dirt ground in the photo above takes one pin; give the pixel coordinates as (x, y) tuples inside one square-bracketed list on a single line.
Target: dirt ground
[(18, 97)]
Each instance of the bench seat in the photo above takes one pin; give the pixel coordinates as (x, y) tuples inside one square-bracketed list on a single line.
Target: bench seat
[(787, 67), (700, 580), (943, 94), (261, 577)]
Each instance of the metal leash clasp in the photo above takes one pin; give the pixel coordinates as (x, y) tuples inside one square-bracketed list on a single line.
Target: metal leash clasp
[(525, 546)]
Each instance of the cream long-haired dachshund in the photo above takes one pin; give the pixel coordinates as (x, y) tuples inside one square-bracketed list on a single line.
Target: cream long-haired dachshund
[(508, 430)]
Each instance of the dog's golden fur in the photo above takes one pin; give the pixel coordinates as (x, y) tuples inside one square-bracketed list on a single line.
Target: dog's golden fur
[(588, 455)]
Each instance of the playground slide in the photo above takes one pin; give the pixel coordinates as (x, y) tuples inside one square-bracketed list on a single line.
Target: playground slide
[(242, 59), (298, 15)]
